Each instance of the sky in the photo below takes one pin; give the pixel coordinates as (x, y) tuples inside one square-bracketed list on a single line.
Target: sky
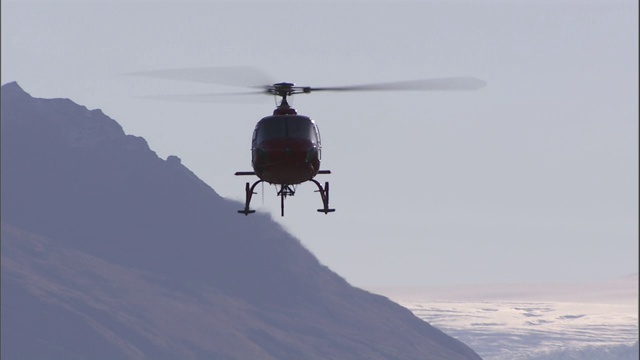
[(533, 178)]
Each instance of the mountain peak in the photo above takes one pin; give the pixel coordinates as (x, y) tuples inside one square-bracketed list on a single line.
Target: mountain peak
[(13, 85), (60, 120)]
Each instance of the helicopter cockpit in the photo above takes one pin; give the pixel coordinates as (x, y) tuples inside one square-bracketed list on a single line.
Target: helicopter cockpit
[(286, 127)]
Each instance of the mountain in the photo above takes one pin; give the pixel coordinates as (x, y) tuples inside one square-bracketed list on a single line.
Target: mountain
[(109, 252)]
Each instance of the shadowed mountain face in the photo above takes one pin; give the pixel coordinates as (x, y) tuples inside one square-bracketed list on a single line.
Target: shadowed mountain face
[(109, 252)]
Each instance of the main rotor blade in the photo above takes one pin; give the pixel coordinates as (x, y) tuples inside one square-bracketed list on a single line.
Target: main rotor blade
[(438, 84), (228, 75), (240, 97)]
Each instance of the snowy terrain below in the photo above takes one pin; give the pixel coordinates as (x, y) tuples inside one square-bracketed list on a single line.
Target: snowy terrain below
[(539, 321)]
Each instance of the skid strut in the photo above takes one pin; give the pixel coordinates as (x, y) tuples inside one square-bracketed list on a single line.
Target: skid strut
[(249, 193), (324, 194), (286, 190)]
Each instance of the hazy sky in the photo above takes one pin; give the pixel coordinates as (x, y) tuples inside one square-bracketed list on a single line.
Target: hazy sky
[(533, 178)]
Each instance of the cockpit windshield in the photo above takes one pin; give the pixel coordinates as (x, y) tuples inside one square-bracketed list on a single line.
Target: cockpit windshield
[(283, 127)]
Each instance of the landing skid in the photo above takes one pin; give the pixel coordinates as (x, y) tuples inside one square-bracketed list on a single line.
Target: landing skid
[(283, 192)]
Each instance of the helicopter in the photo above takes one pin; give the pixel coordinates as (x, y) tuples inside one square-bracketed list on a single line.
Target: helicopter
[(285, 146)]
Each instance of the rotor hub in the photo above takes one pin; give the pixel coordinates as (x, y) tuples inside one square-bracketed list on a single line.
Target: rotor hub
[(285, 89)]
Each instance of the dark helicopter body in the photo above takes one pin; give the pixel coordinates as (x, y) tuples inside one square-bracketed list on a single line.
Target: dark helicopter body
[(286, 149)]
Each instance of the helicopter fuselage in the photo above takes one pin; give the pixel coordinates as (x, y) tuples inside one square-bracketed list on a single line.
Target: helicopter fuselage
[(286, 149)]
